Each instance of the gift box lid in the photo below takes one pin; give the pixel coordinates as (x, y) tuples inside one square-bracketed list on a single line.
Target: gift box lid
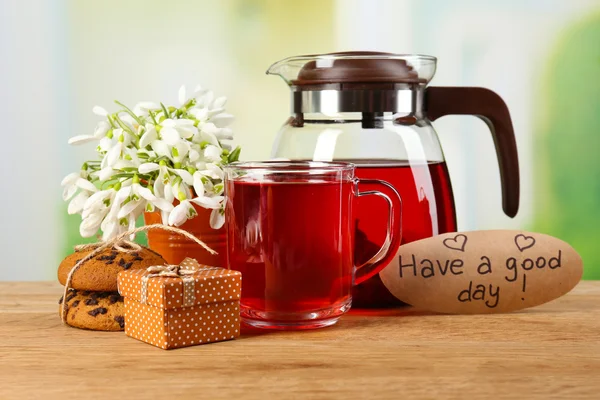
[(193, 284)]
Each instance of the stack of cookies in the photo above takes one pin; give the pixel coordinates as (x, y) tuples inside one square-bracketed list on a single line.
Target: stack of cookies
[(93, 301)]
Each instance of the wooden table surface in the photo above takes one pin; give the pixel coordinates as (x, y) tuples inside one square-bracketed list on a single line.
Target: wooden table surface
[(552, 351)]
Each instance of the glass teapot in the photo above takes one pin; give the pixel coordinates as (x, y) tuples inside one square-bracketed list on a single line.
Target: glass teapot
[(375, 110)]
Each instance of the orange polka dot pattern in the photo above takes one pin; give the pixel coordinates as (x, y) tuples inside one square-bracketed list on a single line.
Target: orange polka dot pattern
[(165, 323)]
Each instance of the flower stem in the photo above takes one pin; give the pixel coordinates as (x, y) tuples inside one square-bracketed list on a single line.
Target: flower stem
[(128, 111), (167, 115)]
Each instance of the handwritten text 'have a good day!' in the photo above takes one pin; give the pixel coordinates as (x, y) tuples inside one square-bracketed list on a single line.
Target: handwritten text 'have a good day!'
[(483, 271)]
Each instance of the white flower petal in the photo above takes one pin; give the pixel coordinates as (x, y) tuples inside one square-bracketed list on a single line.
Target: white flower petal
[(170, 136), (147, 105), (105, 173), (187, 132), (184, 122), (97, 198), (215, 171), (127, 208), (168, 123), (148, 137), (86, 185), (209, 127), (110, 230), (208, 202), (183, 149), (198, 91), (201, 114), (219, 102), (161, 148), (185, 175), (101, 129), (99, 111), (159, 186), (168, 193), (222, 120), (217, 219), (224, 134), (113, 154), (148, 167), (212, 153), (132, 220), (210, 138), (194, 155), (121, 195), (145, 193), (163, 204), (87, 229), (208, 97), (69, 191), (179, 214), (81, 139), (164, 215), (181, 95), (105, 144), (70, 179), (76, 205), (89, 226), (98, 209), (198, 185), (133, 154), (215, 111)]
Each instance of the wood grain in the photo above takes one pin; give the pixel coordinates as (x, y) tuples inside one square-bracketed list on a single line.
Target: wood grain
[(552, 351)]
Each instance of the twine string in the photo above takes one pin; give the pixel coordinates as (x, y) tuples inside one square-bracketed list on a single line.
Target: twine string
[(122, 244)]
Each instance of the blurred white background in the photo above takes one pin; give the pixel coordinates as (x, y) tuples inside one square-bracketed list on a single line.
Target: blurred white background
[(60, 58)]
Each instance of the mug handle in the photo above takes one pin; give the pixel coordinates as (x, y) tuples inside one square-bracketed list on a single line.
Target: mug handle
[(394, 231)]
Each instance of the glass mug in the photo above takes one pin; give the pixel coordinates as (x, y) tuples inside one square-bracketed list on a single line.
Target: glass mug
[(290, 232)]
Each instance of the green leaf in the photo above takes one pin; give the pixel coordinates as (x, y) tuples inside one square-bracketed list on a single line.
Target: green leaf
[(128, 111), (151, 113), (235, 154), (167, 115), (122, 125)]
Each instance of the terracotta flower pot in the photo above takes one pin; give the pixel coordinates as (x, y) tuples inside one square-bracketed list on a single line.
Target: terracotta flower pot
[(174, 248)]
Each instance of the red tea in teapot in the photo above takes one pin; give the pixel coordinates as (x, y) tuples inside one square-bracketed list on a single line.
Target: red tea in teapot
[(428, 210)]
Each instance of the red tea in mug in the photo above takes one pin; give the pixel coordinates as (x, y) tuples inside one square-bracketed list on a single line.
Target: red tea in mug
[(291, 242)]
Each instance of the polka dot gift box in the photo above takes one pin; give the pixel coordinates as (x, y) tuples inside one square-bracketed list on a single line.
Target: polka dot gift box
[(173, 306)]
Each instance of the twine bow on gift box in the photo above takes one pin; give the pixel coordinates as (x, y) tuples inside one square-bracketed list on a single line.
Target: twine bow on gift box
[(122, 243), (176, 271)]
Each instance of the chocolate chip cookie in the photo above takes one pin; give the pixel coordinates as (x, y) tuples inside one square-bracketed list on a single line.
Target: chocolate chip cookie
[(100, 273), (98, 311)]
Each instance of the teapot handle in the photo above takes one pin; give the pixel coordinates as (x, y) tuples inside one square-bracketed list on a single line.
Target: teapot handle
[(489, 107)]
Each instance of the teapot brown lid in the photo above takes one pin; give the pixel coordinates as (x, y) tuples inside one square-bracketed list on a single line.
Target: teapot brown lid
[(356, 67)]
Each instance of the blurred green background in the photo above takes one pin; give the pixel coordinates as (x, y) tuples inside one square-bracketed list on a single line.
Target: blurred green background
[(60, 58), (569, 140)]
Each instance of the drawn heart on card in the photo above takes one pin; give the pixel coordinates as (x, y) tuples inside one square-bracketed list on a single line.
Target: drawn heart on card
[(524, 242), (458, 242)]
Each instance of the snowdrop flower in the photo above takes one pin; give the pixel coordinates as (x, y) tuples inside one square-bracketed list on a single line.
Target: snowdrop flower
[(217, 218), (141, 198), (94, 210), (212, 153), (210, 170), (172, 131), (117, 149), (75, 181), (153, 158), (100, 132), (141, 109), (99, 111), (185, 209)]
